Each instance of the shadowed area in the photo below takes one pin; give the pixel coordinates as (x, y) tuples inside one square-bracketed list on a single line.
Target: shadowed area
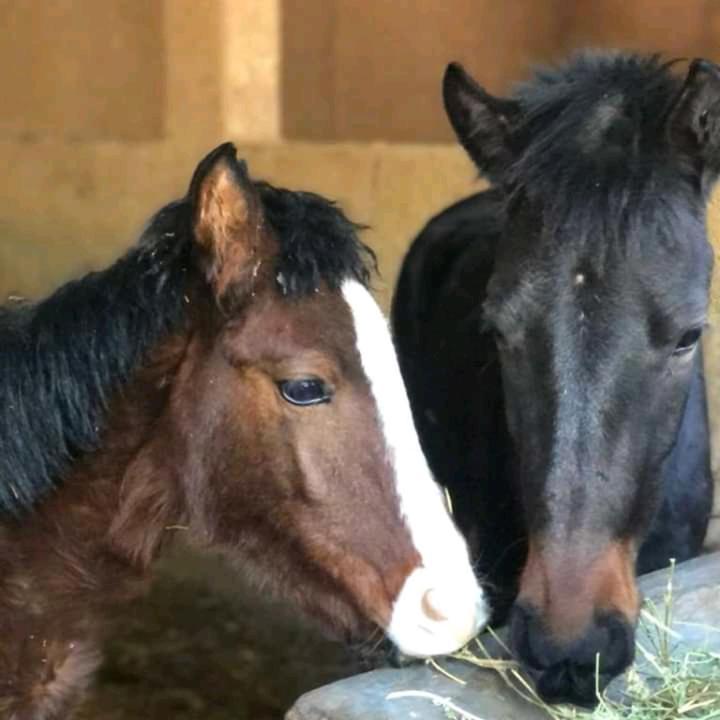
[(202, 645)]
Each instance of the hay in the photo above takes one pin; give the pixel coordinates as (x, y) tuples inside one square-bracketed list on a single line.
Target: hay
[(678, 686)]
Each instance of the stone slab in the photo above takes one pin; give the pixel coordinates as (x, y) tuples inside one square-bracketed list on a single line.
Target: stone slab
[(696, 621)]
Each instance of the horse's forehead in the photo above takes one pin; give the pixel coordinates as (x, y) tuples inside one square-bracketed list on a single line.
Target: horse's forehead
[(670, 247), (572, 290), (318, 321)]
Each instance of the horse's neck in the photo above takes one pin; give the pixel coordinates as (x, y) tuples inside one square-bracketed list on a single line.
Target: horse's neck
[(62, 360), (129, 482), (84, 548)]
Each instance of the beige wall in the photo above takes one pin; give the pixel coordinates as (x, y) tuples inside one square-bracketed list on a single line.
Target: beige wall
[(371, 69), (376, 66), (81, 69), (330, 70)]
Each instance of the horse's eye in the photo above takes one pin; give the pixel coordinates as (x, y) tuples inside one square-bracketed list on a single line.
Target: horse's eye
[(489, 328), (688, 341), (308, 391), (499, 338)]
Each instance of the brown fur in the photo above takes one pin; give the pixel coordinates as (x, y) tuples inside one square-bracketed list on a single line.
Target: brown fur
[(202, 439), (568, 587)]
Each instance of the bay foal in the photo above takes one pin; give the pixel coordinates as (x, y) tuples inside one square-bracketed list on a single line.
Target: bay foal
[(232, 376)]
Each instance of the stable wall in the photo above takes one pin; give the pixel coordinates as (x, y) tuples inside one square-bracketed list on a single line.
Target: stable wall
[(371, 69)]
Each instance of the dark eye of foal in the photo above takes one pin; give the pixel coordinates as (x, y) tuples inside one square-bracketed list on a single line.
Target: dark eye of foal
[(688, 341), (307, 391)]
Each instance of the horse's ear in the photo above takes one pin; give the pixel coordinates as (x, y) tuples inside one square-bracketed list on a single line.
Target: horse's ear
[(226, 218), (481, 121), (694, 121)]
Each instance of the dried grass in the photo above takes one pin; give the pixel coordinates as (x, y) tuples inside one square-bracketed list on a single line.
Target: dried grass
[(674, 686)]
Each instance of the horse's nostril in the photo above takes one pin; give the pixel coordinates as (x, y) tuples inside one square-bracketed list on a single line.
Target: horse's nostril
[(565, 671), (529, 641), (432, 604), (562, 684)]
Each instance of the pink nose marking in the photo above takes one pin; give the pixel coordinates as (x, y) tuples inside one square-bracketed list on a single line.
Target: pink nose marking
[(430, 606)]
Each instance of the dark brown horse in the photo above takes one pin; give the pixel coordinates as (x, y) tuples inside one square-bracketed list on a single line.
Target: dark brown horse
[(231, 376), (549, 332)]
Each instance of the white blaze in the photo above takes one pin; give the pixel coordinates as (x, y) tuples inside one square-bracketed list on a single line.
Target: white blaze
[(445, 578)]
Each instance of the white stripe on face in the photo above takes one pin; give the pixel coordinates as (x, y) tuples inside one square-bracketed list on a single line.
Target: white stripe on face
[(445, 580)]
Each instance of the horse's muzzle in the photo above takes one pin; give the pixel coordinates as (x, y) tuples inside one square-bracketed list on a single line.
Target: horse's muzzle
[(572, 672), (437, 614)]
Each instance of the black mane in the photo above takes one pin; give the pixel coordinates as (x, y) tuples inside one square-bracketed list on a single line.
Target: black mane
[(593, 139), (63, 358), (318, 243)]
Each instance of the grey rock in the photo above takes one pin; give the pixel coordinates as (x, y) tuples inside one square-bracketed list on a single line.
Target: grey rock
[(366, 696), (696, 620), (696, 600)]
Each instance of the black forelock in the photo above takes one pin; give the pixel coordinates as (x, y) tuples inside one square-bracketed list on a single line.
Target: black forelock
[(591, 139), (318, 243), (62, 359)]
